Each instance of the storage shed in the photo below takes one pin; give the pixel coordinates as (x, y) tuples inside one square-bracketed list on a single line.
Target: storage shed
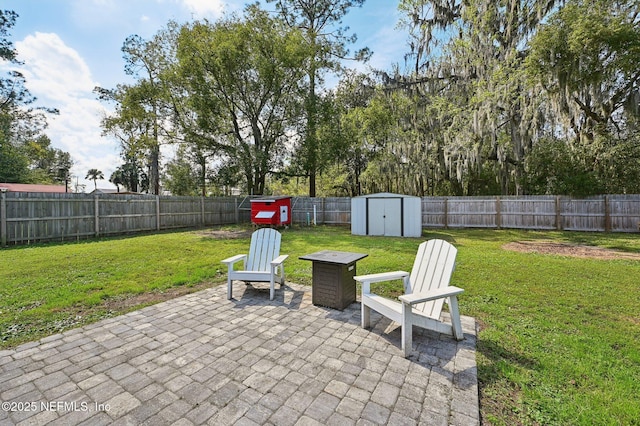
[(388, 214), (274, 211)]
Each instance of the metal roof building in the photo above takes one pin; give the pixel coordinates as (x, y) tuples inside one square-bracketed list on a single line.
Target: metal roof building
[(388, 214)]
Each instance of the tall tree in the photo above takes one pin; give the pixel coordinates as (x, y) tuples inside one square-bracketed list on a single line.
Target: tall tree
[(584, 60), (117, 178), (142, 120), (130, 175), (20, 120), (369, 122), (248, 73), (181, 179), (94, 175), (474, 111), (321, 21), (141, 62), (47, 164)]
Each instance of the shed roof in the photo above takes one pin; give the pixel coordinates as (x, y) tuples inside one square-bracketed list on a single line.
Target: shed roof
[(28, 187), (113, 191), (386, 195)]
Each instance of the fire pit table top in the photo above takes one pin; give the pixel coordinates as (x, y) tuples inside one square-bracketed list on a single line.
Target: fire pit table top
[(335, 257)]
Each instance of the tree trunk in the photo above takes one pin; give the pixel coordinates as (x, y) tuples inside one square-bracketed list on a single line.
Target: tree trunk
[(312, 148)]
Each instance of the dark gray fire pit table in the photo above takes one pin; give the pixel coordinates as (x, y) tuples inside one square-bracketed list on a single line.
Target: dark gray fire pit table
[(333, 285)]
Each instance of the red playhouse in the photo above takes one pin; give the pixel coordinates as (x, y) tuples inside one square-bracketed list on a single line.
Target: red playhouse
[(274, 211)]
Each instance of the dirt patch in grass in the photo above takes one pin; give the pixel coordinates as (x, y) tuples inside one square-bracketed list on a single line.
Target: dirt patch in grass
[(566, 249), (126, 302), (226, 234)]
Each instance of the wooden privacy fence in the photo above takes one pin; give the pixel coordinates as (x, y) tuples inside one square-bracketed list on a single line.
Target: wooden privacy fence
[(325, 211), (610, 213), (32, 217)]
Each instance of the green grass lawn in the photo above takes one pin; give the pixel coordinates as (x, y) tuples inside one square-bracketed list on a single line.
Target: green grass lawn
[(559, 339)]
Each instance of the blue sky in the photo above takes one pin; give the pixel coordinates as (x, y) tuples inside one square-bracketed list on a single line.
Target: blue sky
[(70, 46)]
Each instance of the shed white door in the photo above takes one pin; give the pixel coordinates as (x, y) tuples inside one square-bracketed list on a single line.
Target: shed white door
[(385, 216)]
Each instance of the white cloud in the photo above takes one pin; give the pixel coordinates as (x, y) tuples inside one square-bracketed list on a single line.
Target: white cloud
[(53, 69), (204, 8), (60, 78)]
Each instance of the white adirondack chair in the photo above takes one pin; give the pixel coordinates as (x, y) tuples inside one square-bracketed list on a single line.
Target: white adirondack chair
[(264, 263), (426, 289)]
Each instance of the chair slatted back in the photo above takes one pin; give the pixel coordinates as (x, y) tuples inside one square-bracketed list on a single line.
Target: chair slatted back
[(265, 246), (432, 269)]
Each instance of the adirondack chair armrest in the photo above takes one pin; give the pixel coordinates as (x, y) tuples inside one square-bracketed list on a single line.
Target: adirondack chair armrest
[(384, 276), (279, 260), (367, 280), (234, 259), (440, 293)]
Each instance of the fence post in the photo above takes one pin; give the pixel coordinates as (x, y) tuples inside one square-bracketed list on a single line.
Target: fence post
[(607, 214), (498, 213), (235, 201), (3, 219), (446, 213), (202, 210), (96, 214), (157, 212), (558, 213)]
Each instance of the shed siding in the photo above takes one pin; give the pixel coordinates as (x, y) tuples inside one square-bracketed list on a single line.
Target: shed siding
[(358, 216), (412, 217), (403, 215)]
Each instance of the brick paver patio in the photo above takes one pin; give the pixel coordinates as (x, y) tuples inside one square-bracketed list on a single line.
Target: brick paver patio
[(202, 359)]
